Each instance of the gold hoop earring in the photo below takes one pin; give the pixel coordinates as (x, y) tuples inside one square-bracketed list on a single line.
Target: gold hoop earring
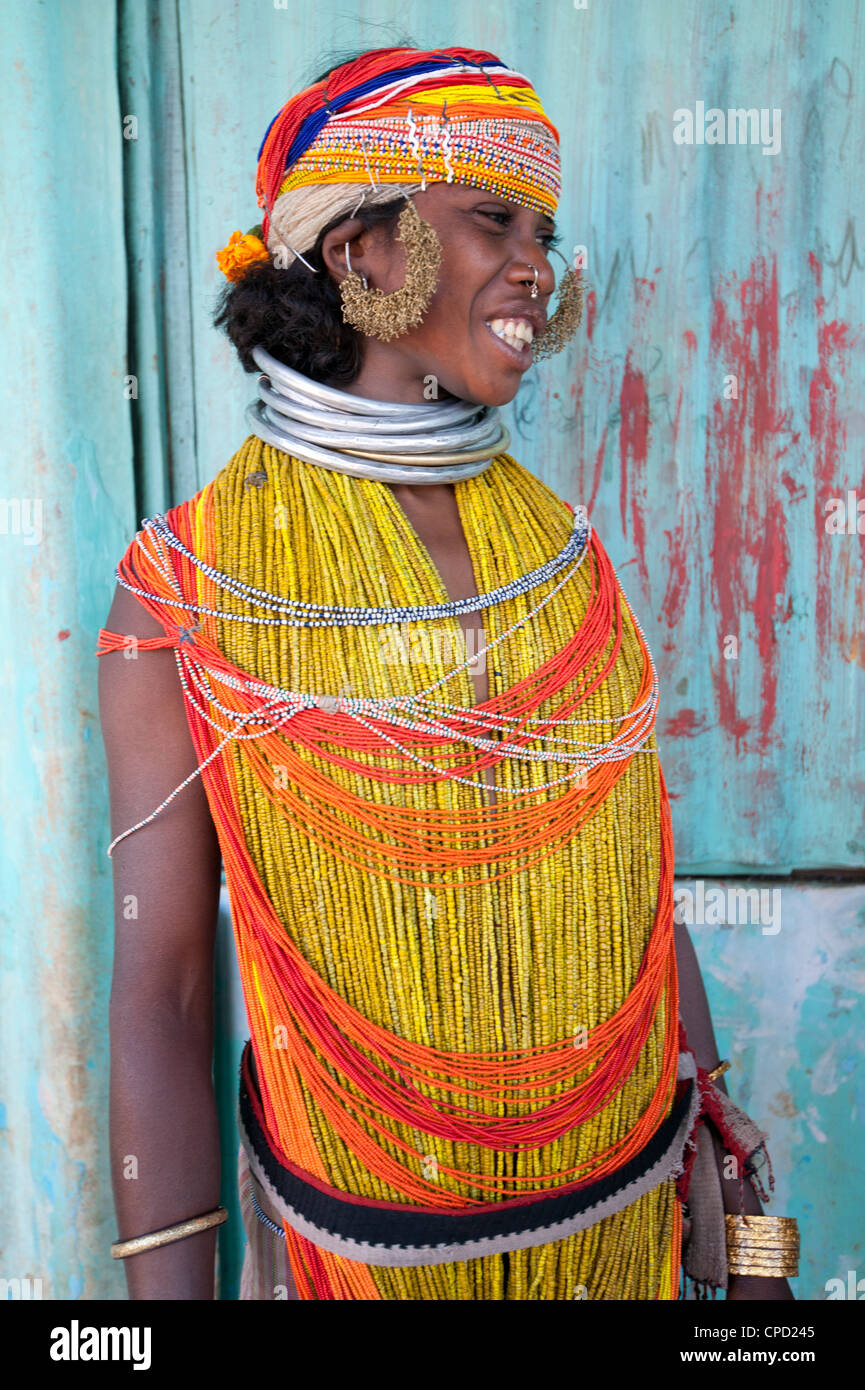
[(568, 316), (387, 316)]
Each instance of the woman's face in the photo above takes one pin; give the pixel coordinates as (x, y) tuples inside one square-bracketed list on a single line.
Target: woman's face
[(475, 338)]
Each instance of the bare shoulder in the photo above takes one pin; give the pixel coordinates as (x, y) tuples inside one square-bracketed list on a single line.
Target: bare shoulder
[(148, 744), (137, 684), (128, 615), (169, 865)]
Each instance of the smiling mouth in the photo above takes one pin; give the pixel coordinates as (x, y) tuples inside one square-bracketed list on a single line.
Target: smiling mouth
[(516, 335)]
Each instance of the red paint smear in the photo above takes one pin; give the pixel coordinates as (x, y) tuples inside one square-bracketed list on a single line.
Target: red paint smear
[(686, 724), (690, 339), (599, 468), (851, 639), (772, 571), (750, 554), (63, 634), (677, 418), (633, 452), (828, 436), (679, 549), (796, 490), (591, 312)]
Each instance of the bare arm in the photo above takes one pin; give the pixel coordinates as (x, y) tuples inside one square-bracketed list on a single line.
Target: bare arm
[(694, 1011), (164, 1132)]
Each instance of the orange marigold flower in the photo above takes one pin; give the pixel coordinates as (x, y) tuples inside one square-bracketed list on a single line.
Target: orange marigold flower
[(242, 251)]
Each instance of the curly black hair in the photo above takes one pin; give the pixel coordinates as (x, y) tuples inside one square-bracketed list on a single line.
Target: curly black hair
[(295, 314)]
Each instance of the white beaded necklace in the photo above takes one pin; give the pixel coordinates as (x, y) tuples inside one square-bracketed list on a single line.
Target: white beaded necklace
[(416, 713), (300, 613)]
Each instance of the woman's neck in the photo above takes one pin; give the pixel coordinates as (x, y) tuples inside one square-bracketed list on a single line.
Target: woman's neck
[(385, 376)]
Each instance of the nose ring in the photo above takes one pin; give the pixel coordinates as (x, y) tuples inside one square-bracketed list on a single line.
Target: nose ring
[(533, 292)]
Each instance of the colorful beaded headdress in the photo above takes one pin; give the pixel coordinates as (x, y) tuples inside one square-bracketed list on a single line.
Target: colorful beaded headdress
[(394, 120)]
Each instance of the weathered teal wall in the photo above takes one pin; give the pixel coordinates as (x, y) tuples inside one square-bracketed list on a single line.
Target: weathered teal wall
[(66, 444), (705, 262), (786, 988)]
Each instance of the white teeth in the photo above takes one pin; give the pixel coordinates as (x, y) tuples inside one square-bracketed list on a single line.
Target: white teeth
[(514, 332)]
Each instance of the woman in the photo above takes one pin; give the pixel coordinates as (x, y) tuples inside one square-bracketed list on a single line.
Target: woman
[(401, 693)]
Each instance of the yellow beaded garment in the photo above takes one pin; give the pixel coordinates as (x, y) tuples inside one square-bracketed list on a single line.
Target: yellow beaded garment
[(524, 961)]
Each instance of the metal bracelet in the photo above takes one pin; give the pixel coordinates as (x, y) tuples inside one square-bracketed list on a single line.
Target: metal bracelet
[(767, 1246), (122, 1249)]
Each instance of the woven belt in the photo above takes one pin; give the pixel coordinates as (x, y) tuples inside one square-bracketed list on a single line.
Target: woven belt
[(388, 1233)]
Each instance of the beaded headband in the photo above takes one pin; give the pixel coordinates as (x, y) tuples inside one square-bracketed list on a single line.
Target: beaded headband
[(399, 116)]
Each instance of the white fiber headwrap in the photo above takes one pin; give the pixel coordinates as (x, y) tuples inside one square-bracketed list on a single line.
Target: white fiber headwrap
[(299, 215)]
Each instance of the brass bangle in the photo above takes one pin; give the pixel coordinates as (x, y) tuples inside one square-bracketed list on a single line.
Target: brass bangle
[(751, 1228), (499, 446), (772, 1239), (739, 1242), (765, 1246), (788, 1270), (763, 1252), (762, 1257), (719, 1070), (122, 1249), (779, 1270)]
